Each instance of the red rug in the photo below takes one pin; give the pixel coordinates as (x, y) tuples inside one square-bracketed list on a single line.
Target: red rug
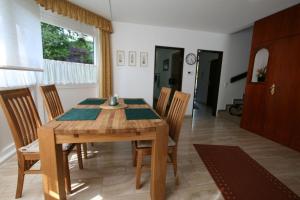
[(239, 177)]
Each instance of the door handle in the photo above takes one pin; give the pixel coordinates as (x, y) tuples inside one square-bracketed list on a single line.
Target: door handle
[(272, 89)]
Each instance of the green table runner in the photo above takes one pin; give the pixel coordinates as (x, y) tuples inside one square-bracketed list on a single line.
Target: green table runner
[(134, 101), (140, 114), (80, 114), (94, 101)]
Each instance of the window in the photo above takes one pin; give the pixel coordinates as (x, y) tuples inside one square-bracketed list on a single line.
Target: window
[(68, 56), (67, 45)]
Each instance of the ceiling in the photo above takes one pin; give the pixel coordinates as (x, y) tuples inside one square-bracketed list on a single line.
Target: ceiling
[(222, 16)]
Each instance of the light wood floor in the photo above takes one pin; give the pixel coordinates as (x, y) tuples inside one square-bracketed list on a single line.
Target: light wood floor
[(109, 173)]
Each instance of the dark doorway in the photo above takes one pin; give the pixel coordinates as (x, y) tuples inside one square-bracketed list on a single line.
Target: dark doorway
[(168, 70), (207, 81)]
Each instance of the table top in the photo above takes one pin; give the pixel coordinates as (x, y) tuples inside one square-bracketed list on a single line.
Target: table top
[(108, 122)]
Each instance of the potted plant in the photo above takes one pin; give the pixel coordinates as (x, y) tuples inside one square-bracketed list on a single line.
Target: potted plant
[(261, 74)]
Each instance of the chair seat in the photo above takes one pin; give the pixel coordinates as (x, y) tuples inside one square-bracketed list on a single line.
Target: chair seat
[(34, 147), (148, 144)]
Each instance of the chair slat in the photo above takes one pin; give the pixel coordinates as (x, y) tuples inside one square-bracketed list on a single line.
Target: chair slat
[(17, 112), (176, 114), (22, 115), (52, 101), (30, 118), (163, 101), (24, 120)]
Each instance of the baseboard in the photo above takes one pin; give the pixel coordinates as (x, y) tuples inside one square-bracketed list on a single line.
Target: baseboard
[(7, 153)]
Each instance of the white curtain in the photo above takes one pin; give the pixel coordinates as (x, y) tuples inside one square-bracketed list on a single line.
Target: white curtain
[(14, 78), (60, 72)]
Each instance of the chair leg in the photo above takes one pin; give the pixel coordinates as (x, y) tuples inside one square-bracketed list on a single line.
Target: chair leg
[(67, 173), (79, 156), (174, 161), (85, 155), (134, 153), (139, 163), (21, 169)]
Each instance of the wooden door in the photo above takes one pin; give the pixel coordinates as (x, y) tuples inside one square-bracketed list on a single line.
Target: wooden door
[(282, 106), (254, 99), (276, 116), (253, 110)]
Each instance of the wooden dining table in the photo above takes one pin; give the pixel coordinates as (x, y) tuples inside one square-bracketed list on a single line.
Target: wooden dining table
[(111, 125)]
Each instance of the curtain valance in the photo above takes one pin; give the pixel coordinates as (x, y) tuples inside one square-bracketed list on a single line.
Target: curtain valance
[(73, 11)]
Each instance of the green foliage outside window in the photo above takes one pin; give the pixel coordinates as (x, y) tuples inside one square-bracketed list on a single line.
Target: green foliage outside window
[(66, 45)]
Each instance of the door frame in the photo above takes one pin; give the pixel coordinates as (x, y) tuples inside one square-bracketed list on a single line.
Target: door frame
[(181, 71), (221, 53)]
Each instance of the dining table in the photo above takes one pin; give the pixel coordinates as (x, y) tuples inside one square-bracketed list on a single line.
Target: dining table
[(92, 120)]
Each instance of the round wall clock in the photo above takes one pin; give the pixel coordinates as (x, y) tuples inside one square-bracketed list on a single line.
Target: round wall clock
[(191, 59)]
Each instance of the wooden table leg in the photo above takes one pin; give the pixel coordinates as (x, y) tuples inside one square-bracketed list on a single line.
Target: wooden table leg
[(85, 154), (51, 165), (159, 163)]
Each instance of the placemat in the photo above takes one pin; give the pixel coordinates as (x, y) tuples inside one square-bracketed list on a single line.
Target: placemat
[(134, 101), (91, 101), (80, 114), (140, 114)]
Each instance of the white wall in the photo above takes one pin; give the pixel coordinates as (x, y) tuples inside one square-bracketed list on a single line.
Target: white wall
[(72, 95), (7, 147), (235, 61), (19, 23), (138, 81)]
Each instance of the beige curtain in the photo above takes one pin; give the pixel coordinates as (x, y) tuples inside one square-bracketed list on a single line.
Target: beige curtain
[(66, 8), (106, 72)]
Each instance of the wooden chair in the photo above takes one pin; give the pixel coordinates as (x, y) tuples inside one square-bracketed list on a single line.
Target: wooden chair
[(174, 119), (160, 108), (54, 108), (163, 101), (23, 119)]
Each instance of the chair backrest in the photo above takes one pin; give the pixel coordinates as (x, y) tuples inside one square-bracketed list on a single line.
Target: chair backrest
[(163, 101), (176, 114), (22, 115), (52, 101)]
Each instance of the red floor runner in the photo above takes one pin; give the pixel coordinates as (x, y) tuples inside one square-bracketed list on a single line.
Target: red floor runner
[(239, 177)]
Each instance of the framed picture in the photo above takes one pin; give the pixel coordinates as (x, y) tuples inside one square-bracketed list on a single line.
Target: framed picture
[(132, 58), (144, 59), (166, 65), (120, 58)]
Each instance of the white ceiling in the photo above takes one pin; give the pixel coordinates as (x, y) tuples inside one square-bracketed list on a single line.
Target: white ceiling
[(223, 16), (100, 7)]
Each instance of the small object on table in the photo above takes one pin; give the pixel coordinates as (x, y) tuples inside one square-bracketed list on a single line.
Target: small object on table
[(113, 104), (113, 101)]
